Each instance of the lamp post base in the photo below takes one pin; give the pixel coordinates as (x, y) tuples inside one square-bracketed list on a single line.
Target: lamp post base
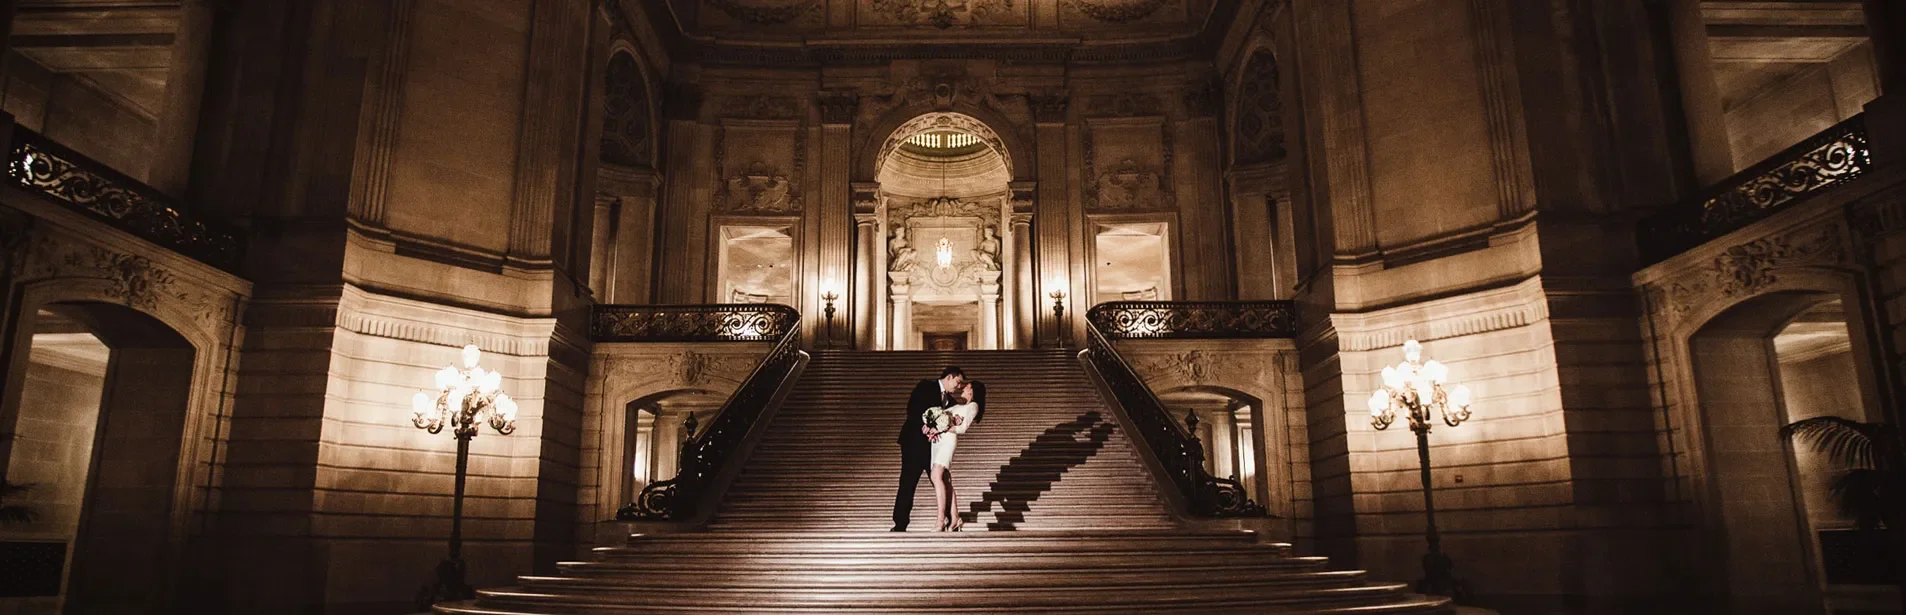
[(1439, 578), (450, 585)]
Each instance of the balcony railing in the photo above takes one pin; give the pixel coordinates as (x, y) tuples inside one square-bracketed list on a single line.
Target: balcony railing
[(1825, 160), (39, 165), (727, 322), (706, 454), (1195, 319)]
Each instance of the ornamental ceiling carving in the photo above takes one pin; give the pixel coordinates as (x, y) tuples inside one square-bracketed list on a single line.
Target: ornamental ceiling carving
[(1104, 19)]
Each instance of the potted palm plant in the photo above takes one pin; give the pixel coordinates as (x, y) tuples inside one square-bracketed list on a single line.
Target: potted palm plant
[(1872, 488)]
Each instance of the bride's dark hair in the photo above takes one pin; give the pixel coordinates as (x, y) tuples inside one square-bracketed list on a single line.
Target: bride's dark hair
[(979, 397)]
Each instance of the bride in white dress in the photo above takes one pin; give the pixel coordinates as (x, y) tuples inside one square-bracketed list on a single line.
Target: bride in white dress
[(944, 500)]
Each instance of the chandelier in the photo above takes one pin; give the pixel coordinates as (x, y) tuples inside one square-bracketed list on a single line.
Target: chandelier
[(1416, 386), (464, 399), (944, 253)]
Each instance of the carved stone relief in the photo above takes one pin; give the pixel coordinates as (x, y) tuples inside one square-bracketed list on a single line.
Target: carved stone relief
[(1129, 184), (135, 281), (944, 14), (768, 183), (763, 107), (1747, 269), (683, 369)]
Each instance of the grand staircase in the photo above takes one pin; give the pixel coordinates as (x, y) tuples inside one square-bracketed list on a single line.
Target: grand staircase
[(1061, 517)]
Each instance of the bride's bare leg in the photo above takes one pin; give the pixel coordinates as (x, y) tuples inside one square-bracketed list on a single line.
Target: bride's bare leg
[(940, 485), (952, 502)]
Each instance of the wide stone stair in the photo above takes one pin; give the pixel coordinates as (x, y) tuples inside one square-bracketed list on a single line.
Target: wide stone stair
[(1061, 517)]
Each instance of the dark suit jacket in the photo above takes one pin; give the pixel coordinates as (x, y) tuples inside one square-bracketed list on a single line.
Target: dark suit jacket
[(927, 394)]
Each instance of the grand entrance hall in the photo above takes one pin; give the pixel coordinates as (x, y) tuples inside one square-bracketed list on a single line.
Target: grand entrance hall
[(539, 307)]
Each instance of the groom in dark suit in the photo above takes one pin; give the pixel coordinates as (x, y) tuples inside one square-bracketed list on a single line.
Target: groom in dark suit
[(915, 451)]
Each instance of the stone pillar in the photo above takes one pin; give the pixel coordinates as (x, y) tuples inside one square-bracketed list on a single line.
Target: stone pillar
[(1254, 226), (902, 310), (176, 129), (679, 217), (989, 311), (866, 279), (1009, 280), (1026, 296), (629, 273), (837, 209), (601, 240), (1056, 261), (666, 450), (1221, 449), (1708, 148)]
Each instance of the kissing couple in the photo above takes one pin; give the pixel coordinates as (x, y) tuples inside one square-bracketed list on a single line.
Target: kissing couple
[(938, 411)]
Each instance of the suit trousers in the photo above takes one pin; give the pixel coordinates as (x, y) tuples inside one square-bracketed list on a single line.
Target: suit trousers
[(914, 457)]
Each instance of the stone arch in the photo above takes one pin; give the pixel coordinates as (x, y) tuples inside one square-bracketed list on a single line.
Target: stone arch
[(897, 125), (628, 111), (1724, 397), (170, 364), (1275, 476), (1256, 120)]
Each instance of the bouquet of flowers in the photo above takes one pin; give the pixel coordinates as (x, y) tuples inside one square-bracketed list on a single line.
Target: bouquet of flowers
[(936, 421)]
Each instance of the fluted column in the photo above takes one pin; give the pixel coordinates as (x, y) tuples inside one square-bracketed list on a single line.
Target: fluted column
[(1025, 297), (866, 279), (667, 448)]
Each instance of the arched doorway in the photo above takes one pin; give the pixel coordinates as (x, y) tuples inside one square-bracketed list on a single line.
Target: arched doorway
[(657, 426), (1776, 539), (955, 253), (99, 435)]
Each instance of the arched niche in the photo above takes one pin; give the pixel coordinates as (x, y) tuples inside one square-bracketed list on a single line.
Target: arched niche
[(896, 126), (628, 136)]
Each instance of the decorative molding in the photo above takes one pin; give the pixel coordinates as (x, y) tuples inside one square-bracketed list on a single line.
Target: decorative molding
[(763, 107), (760, 188), (1203, 100), (678, 369), (1472, 314), (1501, 102), (131, 280)]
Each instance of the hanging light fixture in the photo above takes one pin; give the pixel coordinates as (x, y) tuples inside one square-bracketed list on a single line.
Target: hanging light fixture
[(944, 253)]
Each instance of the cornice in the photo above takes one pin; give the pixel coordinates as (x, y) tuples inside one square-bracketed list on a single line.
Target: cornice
[(1509, 307), (367, 313)]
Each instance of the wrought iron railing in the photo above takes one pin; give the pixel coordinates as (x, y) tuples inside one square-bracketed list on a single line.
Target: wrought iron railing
[(705, 454), (1834, 156), (40, 165), (1194, 319), (1175, 447), (726, 322)]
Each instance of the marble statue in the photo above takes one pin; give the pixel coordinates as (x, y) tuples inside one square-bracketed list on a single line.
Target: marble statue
[(899, 254), (987, 255)]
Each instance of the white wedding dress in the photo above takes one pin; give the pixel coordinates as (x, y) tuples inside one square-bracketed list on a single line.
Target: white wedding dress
[(943, 449)]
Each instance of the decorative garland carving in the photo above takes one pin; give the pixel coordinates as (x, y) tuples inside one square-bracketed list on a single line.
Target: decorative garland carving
[(1117, 11), (1747, 269), (761, 188), (766, 13), (942, 14), (133, 280)]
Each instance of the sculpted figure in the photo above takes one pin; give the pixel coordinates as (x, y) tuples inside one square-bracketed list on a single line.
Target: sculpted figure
[(899, 254), (987, 255)]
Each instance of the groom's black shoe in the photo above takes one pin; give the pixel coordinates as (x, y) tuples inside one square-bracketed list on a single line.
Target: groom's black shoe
[(898, 528)]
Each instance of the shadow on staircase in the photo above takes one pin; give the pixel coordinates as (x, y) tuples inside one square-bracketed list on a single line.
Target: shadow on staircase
[(1038, 467)]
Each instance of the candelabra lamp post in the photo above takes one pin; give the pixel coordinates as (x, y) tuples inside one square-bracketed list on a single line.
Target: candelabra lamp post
[(465, 399), (829, 297), (1415, 387), (1059, 315)]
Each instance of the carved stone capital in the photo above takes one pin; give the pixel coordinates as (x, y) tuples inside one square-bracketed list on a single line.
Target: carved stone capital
[(838, 106), (1049, 107)]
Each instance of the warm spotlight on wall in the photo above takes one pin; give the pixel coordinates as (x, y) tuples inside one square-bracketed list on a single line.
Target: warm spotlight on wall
[(465, 399)]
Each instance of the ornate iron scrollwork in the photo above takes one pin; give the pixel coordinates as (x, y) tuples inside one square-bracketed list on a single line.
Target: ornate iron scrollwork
[(738, 322), (1175, 447), (40, 165), (704, 454), (1195, 319), (1834, 156)]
